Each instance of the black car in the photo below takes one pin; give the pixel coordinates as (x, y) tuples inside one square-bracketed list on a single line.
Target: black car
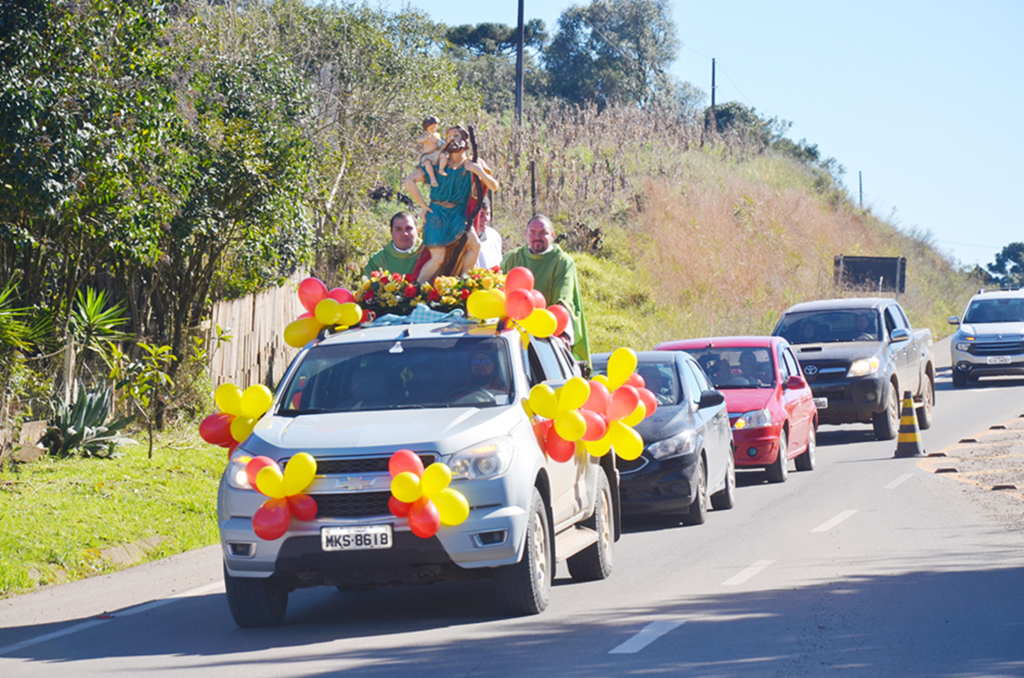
[(688, 445)]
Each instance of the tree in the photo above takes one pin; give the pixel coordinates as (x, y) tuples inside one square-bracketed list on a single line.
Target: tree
[(1009, 266), (614, 51), (497, 39)]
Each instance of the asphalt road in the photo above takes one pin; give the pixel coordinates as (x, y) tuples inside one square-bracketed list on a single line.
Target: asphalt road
[(866, 566)]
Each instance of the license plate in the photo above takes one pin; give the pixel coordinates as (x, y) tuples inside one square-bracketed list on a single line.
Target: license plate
[(821, 403), (999, 360), (355, 538)]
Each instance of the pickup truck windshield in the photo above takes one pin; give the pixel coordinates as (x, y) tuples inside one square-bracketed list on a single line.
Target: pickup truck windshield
[(400, 374), (829, 326), (995, 311)]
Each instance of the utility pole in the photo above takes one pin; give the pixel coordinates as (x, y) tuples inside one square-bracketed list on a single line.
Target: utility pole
[(860, 181), (714, 125), (519, 67)]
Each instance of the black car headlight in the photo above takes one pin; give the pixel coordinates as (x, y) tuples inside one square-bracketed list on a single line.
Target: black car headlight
[(677, 445)]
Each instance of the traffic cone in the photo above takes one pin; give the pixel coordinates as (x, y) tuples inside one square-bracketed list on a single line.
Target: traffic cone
[(909, 442)]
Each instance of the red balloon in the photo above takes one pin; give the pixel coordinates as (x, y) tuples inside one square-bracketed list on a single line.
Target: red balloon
[(341, 295), (649, 400), (519, 304), (272, 519), (538, 299), (598, 400), (558, 448), (541, 428), (367, 316), (305, 315), (253, 468), (597, 425), (635, 380), (424, 520), (216, 429), (311, 292), (405, 460), (399, 509), (302, 506), (622, 403), (519, 278), (561, 317)]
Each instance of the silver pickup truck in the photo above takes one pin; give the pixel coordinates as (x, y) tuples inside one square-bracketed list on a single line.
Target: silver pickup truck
[(451, 393), (859, 357)]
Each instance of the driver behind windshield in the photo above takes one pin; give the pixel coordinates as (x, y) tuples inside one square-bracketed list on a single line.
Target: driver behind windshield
[(483, 373)]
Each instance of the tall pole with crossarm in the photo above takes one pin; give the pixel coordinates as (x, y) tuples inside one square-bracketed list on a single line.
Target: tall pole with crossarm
[(519, 67)]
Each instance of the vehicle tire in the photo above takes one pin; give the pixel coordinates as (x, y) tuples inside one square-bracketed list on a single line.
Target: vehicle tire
[(805, 462), (525, 588), (697, 514), (887, 423), (255, 602), (924, 413), (959, 379), (779, 471), (595, 562), (726, 497)]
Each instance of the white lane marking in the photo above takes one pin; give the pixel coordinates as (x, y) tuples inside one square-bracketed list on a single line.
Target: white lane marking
[(899, 481), (747, 573), (127, 612), (646, 636), (829, 524)]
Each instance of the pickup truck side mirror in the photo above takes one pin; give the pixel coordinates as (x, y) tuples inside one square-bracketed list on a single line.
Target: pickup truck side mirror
[(710, 398), (899, 334), (953, 320), (795, 382)]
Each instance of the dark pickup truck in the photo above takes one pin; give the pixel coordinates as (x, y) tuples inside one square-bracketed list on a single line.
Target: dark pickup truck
[(859, 356)]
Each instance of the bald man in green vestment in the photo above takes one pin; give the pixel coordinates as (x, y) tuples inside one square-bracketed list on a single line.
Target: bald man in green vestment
[(399, 255), (554, 274)]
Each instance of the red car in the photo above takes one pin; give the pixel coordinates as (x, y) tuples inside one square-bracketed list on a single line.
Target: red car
[(769, 402)]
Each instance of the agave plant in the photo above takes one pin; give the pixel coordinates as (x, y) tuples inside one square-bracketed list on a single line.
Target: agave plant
[(94, 326), (83, 426)]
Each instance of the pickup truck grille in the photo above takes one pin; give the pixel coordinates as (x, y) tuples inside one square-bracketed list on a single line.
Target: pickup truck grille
[(997, 348), (819, 371), (352, 504), (345, 465)]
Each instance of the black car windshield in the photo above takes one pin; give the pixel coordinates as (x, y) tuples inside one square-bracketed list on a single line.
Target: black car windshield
[(400, 374), (737, 367), (995, 311), (660, 378), (822, 327)]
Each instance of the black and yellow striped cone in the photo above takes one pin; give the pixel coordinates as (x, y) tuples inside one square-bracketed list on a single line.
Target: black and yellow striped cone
[(909, 442)]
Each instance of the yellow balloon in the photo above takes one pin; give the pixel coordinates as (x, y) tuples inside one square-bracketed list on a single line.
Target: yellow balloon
[(601, 379), (451, 506), (621, 364), (241, 428), (599, 447), (485, 304), (435, 478), (256, 400), (229, 399), (350, 314), (627, 443), (406, 487), (570, 425), (299, 473), (271, 482), (543, 401), (636, 416), (541, 323), (300, 332), (573, 394), (327, 312), (527, 408)]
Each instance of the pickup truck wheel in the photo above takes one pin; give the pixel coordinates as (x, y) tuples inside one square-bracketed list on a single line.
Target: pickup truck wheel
[(959, 379), (698, 511), (805, 462), (779, 471), (725, 498), (887, 423), (525, 588), (255, 602), (924, 412), (595, 562)]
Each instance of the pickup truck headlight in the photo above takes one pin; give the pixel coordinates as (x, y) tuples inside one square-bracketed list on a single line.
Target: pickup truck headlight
[(755, 419), (486, 460), (963, 346), (675, 446), (235, 474), (863, 367)]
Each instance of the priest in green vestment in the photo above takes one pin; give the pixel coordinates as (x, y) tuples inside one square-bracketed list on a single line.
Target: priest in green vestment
[(399, 255), (554, 274)]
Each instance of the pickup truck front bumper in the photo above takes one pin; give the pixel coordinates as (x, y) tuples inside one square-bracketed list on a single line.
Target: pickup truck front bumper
[(851, 401)]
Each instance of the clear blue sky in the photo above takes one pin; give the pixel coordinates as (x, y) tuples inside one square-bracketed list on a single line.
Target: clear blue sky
[(925, 99)]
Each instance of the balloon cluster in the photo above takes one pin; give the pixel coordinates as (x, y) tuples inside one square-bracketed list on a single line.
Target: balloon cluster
[(423, 496), (238, 415), (337, 308), (601, 413), (273, 518), (520, 303)]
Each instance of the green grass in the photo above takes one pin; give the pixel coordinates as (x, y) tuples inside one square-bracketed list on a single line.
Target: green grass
[(56, 516)]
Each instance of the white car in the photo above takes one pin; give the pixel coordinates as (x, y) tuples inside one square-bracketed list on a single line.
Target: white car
[(990, 337)]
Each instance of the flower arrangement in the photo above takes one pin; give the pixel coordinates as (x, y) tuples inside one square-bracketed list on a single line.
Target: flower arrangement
[(385, 292)]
